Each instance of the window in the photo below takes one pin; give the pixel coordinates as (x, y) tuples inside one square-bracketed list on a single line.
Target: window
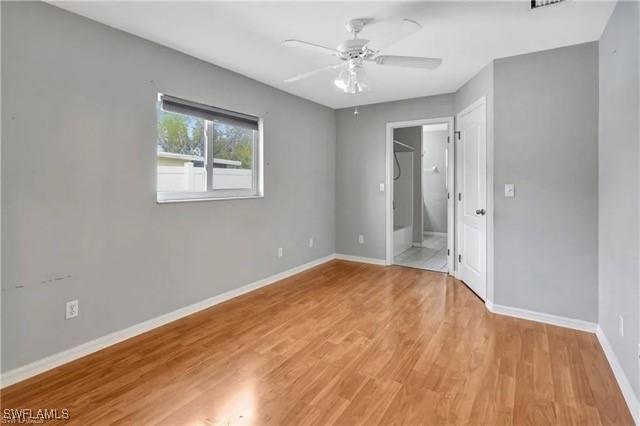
[(206, 153)]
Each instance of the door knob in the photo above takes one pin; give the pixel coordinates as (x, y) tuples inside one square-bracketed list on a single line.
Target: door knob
[(481, 212)]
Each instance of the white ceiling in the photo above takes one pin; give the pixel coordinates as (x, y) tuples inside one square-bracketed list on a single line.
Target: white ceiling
[(245, 37)]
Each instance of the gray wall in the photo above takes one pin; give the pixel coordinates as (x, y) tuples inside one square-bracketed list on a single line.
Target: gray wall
[(78, 181), (546, 143), (478, 86), (412, 136), (360, 168), (618, 176), (78, 184), (434, 197)]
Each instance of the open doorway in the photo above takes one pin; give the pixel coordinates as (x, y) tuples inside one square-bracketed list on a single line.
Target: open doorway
[(420, 206)]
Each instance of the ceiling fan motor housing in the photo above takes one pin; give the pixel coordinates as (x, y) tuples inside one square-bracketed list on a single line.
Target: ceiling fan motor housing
[(354, 48)]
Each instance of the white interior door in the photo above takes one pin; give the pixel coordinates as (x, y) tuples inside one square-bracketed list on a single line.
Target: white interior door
[(471, 151)]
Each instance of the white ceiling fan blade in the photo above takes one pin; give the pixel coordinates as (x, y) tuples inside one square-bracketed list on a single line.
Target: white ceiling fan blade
[(389, 32), (408, 61), (312, 73), (310, 46)]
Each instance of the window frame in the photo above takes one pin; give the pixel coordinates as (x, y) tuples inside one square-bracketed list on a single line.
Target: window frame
[(257, 175)]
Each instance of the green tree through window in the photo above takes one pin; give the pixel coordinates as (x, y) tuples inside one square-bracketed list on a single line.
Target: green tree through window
[(206, 152), (180, 134), (233, 143), (183, 134)]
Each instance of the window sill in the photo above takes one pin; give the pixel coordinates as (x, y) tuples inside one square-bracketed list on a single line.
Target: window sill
[(206, 198)]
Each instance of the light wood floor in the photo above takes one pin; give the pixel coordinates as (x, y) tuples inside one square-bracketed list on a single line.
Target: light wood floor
[(343, 343)]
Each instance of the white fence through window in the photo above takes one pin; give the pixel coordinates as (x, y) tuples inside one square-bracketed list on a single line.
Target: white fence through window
[(194, 179)]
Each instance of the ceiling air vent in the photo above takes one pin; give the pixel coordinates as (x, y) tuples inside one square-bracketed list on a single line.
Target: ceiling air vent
[(539, 3)]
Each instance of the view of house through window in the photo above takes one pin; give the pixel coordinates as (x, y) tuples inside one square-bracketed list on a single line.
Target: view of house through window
[(205, 152)]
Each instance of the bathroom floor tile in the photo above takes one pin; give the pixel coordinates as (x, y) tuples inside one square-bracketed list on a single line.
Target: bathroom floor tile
[(431, 256)]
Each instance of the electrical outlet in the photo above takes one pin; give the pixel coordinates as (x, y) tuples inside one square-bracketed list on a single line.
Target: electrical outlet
[(381, 187), (621, 325), (310, 242), (72, 309), (280, 252), (360, 239)]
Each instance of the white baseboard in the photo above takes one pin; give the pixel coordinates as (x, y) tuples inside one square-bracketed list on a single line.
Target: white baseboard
[(488, 304), (575, 324), (625, 386), (623, 381), (52, 361), (437, 234), (361, 259)]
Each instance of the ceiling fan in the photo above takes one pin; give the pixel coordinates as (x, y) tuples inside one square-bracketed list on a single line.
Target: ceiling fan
[(354, 53)]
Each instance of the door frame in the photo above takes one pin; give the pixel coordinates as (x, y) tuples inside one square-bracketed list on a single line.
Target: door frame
[(488, 278), (389, 183)]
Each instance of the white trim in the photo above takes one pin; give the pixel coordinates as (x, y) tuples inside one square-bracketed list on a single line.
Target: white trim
[(479, 102), (389, 174), (434, 127), (22, 373), (52, 361), (623, 381), (198, 199), (542, 317), (435, 234), (489, 305), (360, 259)]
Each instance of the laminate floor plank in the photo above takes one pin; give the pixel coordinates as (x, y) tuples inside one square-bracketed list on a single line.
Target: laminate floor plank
[(343, 343)]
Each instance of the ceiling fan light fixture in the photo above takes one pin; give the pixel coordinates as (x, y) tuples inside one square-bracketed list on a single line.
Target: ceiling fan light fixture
[(352, 81), (343, 79), (355, 52), (362, 81)]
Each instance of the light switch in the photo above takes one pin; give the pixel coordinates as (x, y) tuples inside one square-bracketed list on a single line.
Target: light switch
[(382, 187), (509, 190)]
